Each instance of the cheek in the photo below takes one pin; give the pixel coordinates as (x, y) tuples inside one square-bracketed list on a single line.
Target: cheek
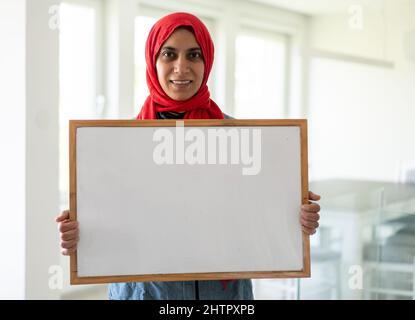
[(161, 72), (200, 73)]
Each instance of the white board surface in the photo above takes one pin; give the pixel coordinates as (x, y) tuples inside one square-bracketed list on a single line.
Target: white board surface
[(137, 217)]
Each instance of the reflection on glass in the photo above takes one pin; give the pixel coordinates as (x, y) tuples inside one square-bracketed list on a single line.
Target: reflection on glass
[(365, 246), (390, 253)]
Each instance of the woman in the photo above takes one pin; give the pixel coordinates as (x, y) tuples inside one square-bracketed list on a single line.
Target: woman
[(179, 55)]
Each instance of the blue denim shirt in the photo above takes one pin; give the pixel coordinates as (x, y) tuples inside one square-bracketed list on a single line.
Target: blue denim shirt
[(181, 290)]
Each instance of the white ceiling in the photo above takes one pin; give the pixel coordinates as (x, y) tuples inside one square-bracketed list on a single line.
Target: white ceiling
[(315, 7)]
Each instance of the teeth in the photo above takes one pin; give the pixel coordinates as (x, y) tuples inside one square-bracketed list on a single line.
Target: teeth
[(181, 82)]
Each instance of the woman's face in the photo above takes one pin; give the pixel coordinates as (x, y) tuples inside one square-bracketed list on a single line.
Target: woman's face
[(180, 66)]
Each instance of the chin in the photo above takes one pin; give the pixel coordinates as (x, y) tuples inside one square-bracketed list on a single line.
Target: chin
[(180, 97)]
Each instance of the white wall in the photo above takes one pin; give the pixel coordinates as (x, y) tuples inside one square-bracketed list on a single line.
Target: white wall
[(29, 139), (12, 140), (361, 116), (42, 148)]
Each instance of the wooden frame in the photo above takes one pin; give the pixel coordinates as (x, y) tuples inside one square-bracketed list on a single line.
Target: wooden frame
[(75, 124)]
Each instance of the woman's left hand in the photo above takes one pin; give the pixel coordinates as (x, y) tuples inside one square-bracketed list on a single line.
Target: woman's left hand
[(310, 214)]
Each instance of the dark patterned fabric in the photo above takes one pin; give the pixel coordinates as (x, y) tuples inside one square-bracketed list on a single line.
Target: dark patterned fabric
[(179, 115)]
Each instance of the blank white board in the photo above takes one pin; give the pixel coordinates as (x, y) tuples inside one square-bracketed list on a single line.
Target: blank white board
[(141, 220)]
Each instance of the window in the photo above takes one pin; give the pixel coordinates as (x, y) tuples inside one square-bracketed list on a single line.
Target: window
[(77, 80), (260, 75), (143, 25), (142, 28)]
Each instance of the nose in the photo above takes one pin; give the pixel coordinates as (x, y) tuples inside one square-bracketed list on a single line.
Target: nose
[(181, 65)]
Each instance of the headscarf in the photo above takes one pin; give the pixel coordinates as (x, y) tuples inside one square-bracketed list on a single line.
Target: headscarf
[(200, 106)]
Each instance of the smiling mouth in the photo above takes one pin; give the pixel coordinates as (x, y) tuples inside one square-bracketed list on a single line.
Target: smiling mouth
[(181, 82)]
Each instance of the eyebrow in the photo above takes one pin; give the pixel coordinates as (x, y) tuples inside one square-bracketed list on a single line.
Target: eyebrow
[(174, 49)]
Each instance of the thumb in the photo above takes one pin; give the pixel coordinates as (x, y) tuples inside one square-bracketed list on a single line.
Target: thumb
[(313, 196)]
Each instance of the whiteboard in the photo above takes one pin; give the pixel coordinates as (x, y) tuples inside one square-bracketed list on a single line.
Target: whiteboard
[(141, 220)]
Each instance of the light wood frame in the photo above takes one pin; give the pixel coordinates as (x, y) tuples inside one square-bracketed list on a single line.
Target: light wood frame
[(301, 123)]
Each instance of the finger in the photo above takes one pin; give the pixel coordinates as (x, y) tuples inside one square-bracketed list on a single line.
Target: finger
[(66, 226), (69, 244), (309, 224), (63, 216), (309, 231), (70, 235), (67, 252), (310, 216), (313, 196), (313, 207)]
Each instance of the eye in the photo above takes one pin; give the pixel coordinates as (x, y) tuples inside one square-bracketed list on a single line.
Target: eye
[(168, 54), (195, 55)]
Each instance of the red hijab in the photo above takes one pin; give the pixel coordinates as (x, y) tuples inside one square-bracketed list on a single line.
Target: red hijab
[(200, 106)]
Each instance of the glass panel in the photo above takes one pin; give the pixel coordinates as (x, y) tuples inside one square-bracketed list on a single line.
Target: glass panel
[(77, 81), (276, 289), (325, 281), (259, 76), (365, 246), (390, 255)]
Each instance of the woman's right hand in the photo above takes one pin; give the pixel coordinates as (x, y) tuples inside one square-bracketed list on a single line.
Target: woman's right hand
[(69, 233)]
